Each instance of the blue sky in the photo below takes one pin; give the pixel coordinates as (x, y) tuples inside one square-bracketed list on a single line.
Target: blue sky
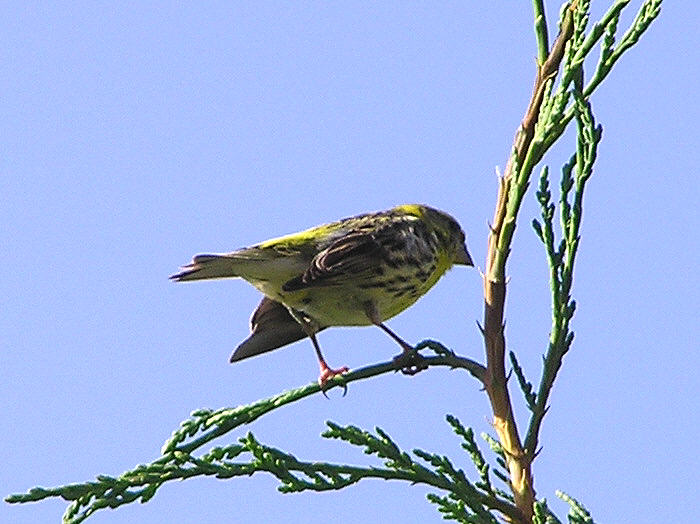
[(136, 135)]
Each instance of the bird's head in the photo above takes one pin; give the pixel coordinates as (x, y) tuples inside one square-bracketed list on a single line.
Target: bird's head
[(448, 233)]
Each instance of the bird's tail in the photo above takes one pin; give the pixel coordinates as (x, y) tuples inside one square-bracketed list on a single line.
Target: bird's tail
[(209, 266)]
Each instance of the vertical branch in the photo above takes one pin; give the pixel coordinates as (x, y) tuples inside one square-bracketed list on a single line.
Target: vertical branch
[(512, 187)]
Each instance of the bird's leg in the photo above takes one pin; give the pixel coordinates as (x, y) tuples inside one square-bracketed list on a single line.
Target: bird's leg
[(407, 348), (310, 327), (410, 360), (327, 373)]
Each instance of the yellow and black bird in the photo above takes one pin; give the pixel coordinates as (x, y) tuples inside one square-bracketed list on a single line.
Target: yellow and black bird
[(357, 271)]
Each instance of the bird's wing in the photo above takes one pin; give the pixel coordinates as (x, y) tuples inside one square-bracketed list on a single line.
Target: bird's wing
[(271, 327), (349, 256)]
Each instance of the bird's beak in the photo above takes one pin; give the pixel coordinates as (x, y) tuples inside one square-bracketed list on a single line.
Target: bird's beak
[(462, 257)]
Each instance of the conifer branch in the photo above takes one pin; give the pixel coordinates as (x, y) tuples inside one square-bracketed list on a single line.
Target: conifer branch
[(475, 500), (547, 117), (561, 259)]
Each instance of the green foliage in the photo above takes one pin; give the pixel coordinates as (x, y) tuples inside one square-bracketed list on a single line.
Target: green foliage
[(525, 386), (471, 501), (563, 96), (577, 513), (561, 258)]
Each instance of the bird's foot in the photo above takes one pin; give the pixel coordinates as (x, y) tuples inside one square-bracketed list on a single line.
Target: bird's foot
[(410, 361), (327, 374)]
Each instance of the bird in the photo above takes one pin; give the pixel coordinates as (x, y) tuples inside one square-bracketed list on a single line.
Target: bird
[(357, 271)]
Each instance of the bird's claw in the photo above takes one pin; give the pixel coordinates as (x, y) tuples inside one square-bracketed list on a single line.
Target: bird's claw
[(410, 362), (345, 391), (327, 374)]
